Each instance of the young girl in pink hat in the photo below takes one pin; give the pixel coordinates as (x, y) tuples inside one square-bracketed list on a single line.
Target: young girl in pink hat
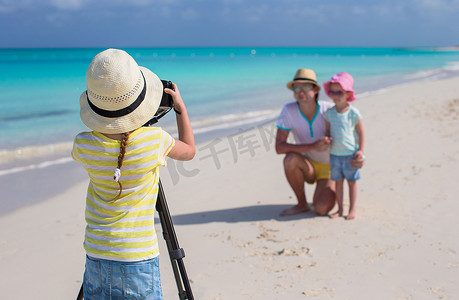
[(344, 126)]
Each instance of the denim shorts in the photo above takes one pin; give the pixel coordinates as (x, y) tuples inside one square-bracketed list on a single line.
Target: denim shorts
[(107, 279), (340, 167)]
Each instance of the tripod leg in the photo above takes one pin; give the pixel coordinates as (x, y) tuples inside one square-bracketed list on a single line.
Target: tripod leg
[(170, 249), (80, 293), (176, 253)]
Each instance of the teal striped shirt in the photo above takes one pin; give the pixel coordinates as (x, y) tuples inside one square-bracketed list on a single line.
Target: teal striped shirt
[(342, 130)]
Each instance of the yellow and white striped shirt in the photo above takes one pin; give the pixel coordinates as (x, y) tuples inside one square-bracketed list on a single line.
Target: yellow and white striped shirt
[(123, 229)]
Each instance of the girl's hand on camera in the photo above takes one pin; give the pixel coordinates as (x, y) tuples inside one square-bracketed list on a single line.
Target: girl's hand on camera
[(176, 97), (184, 148)]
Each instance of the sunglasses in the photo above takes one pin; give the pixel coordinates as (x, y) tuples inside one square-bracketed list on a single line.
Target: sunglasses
[(305, 88), (336, 93)]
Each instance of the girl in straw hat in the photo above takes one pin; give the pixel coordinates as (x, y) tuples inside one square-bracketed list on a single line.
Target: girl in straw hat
[(122, 159)]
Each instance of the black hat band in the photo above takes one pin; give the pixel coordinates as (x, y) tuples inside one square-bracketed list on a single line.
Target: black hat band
[(121, 112), (308, 79)]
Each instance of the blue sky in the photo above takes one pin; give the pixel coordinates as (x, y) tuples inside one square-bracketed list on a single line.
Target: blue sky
[(174, 23)]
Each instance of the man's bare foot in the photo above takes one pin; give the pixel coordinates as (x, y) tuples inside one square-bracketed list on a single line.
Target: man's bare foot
[(351, 215), (295, 210), (336, 215)]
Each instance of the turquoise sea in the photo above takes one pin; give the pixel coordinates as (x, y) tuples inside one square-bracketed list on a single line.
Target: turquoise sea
[(224, 88)]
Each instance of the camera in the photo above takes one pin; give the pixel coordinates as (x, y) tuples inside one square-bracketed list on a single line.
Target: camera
[(166, 101), (165, 105)]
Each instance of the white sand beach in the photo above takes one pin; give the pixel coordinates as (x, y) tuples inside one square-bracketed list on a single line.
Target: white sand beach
[(225, 206)]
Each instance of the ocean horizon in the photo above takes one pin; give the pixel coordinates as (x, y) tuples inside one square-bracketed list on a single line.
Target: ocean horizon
[(226, 89)]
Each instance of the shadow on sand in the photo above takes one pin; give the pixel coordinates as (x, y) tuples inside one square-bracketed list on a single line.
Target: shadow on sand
[(240, 214)]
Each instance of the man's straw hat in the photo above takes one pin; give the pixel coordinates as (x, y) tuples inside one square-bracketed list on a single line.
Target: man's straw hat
[(304, 76), (120, 96)]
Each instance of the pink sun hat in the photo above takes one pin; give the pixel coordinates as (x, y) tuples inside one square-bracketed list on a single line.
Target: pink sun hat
[(345, 80)]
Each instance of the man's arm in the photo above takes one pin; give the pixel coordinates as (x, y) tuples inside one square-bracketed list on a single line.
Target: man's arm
[(282, 146), (327, 128)]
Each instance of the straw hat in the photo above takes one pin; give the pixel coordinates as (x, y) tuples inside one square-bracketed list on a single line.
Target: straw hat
[(304, 76), (120, 95)]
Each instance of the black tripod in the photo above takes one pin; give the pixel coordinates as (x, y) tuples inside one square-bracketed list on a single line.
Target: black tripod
[(176, 254)]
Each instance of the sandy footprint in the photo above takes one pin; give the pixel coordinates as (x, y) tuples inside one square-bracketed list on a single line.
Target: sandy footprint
[(293, 252)]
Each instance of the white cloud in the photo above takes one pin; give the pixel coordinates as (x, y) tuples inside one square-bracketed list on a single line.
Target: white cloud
[(8, 6), (5, 9), (359, 10), (431, 3), (190, 14), (17, 5), (165, 12), (56, 19), (229, 2), (69, 4), (146, 2), (320, 13), (255, 14), (438, 5), (74, 5)]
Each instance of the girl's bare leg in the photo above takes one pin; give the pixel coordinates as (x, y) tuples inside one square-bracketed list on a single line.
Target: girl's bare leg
[(339, 199), (352, 199)]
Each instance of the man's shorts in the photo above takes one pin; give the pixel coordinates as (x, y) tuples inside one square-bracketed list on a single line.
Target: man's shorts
[(322, 170), (340, 167)]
